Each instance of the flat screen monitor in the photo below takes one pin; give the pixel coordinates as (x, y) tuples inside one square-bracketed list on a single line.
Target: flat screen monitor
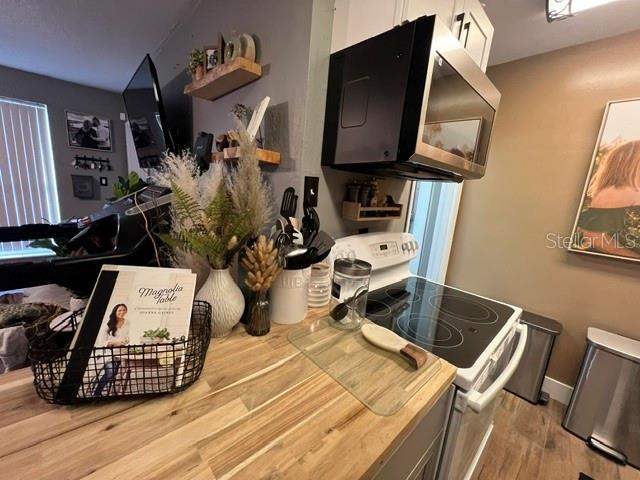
[(146, 115)]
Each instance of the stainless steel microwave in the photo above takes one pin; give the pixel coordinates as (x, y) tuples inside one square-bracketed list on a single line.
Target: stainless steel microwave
[(409, 103)]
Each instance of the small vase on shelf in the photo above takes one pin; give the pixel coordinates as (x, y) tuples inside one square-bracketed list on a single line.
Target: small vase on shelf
[(258, 322), (199, 72), (226, 300)]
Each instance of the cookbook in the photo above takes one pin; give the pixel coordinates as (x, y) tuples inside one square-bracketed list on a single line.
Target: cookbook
[(125, 343)]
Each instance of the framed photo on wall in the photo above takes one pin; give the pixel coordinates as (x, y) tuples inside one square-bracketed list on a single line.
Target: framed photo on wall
[(92, 132), (83, 186), (608, 220)]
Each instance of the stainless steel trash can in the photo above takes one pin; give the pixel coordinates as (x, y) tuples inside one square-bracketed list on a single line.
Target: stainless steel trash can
[(605, 405), (527, 380)]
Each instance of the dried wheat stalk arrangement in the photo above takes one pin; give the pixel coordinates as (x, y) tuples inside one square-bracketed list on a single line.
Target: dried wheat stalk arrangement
[(261, 263)]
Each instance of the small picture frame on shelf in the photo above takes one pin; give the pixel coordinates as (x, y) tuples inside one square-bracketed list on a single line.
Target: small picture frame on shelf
[(211, 57)]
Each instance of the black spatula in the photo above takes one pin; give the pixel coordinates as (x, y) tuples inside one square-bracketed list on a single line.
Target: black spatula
[(288, 209)]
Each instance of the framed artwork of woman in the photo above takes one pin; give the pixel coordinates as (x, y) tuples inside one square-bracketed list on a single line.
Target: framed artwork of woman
[(608, 220)]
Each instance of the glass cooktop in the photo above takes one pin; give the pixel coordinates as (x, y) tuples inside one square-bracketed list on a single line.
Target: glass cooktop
[(454, 325)]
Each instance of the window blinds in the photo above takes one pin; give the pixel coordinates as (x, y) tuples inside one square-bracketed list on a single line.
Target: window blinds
[(28, 191)]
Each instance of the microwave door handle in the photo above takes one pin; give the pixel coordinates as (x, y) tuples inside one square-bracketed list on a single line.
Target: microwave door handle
[(478, 401), (467, 27), (460, 18)]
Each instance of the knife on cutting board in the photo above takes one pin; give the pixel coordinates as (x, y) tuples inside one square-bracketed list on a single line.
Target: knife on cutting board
[(386, 339)]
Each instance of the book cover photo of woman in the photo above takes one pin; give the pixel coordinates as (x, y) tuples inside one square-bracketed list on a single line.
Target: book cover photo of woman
[(116, 335)]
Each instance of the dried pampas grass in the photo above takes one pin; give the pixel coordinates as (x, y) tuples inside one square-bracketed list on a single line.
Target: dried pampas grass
[(214, 214), (249, 191)]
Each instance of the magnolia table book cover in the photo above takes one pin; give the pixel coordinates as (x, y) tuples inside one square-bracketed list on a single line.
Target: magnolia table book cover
[(133, 320)]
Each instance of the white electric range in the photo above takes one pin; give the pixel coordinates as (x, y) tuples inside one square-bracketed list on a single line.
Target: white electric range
[(483, 338)]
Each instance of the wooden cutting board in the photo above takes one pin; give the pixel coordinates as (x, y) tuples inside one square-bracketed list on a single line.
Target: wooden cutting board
[(380, 379)]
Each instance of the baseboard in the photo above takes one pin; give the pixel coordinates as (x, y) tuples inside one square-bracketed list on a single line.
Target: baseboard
[(557, 390)]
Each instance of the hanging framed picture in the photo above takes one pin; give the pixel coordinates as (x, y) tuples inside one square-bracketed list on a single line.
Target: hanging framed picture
[(89, 131), (83, 186), (608, 220)]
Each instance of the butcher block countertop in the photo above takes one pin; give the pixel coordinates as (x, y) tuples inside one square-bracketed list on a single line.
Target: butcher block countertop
[(261, 409)]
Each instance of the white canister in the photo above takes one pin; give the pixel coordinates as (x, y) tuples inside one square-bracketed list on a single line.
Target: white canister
[(288, 296)]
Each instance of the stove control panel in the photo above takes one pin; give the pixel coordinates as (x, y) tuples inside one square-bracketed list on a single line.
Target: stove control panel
[(384, 249), (381, 249)]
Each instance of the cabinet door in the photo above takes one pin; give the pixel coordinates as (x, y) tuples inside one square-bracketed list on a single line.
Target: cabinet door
[(417, 8), (357, 20), (431, 467), (474, 30), (457, 22), (422, 445)]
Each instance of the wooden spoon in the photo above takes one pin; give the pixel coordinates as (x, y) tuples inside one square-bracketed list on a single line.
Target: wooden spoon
[(386, 339)]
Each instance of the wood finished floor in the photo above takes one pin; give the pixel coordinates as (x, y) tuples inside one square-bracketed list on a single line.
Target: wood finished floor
[(529, 443)]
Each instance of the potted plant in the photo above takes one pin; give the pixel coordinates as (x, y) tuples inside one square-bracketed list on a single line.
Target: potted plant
[(127, 186), (213, 216), (196, 63)]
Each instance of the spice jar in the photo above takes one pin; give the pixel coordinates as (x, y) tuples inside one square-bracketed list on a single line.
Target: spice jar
[(364, 195), (373, 195), (350, 278), (353, 192)]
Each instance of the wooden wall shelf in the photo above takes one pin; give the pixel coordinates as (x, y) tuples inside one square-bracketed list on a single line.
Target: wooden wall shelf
[(353, 211), (266, 157), (224, 79)]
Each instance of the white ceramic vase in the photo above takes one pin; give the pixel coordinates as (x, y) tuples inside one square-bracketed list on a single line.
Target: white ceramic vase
[(226, 300)]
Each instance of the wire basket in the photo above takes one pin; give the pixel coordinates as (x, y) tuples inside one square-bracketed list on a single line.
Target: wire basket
[(117, 372)]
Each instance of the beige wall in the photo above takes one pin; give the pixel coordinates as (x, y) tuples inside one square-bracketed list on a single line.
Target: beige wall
[(550, 114)]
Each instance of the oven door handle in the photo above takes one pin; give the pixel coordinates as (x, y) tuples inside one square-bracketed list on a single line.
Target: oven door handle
[(477, 401)]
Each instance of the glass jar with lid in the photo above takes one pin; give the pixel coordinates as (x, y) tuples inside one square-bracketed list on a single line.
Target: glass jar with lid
[(349, 288)]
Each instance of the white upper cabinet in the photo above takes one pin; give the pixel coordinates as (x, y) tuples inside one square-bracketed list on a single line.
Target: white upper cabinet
[(357, 20), (413, 9), (474, 30)]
